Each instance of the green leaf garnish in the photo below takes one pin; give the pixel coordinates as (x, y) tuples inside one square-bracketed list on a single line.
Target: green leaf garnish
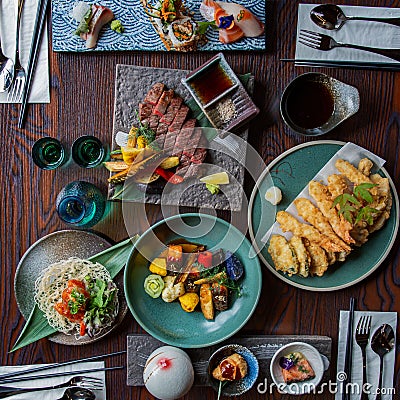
[(361, 191), (366, 214), (213, 189), (203, 26)]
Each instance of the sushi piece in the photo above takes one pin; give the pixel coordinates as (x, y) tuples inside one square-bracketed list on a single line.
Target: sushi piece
[(296, 368)]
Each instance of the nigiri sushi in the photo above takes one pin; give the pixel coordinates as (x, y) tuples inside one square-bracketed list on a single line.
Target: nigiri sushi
[(244, 22)]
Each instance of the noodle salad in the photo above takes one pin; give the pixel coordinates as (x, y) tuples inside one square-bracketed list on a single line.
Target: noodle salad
[(77, 297)]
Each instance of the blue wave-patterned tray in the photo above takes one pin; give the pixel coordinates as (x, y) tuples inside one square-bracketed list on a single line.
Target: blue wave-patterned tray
[(139, 32)]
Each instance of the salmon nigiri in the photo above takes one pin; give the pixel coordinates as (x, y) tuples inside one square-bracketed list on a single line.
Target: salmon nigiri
[(229, 32), (245, 23)]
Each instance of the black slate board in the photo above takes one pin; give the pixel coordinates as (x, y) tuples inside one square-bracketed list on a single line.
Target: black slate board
[(264, 347), (131, 85)]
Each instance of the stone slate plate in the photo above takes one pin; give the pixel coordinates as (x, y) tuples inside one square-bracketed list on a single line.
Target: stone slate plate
[(49, 249), (131, 85), (139, 347), (139, 33)]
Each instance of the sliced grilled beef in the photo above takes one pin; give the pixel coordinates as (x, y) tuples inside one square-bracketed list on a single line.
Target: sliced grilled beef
[(163, 102), (154, 93), (153, 121), (179, 119), (172, 109), (169, 143), (145, 110), (162, 128), (193, 137)]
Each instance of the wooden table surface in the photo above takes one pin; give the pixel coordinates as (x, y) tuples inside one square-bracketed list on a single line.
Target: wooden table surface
[(82, 98)]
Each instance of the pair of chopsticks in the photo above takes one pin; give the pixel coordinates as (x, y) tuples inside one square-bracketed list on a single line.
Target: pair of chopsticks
[(16, 375), (349, 351), (33, 56), (343, 64)]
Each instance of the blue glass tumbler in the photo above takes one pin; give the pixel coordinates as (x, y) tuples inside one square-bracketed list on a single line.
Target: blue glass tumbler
[(80, 204)]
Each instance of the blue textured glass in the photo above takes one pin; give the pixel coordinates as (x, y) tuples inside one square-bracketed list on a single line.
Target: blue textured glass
[(80, 204)]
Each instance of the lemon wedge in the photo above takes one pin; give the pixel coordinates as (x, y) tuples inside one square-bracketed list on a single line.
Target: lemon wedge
[(273, 195), (220, 178)]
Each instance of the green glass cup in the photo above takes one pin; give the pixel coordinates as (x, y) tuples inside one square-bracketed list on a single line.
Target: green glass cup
[(48, 153), (88, 151)]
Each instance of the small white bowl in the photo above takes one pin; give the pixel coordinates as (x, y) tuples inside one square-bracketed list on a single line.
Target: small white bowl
[(318, 362)]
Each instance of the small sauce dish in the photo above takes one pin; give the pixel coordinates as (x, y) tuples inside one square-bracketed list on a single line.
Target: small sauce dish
[(314, 103), (318, 362), (237, 387)]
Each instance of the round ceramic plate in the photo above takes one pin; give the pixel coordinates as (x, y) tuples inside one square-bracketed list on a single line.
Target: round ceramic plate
[(291, 172), (167, 321), (50, 249)]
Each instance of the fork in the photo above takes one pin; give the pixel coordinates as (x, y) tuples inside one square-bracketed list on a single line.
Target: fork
[(319, 41), (15, 93), (85, 382), (362, 337)]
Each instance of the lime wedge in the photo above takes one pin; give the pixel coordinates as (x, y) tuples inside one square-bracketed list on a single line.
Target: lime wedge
[(221, 178)]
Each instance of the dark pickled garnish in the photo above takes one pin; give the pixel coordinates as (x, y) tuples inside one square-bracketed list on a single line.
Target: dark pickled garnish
[(190, 287)]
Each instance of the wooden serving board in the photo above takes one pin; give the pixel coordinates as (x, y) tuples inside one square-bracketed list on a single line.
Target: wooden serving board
[(264, 347)]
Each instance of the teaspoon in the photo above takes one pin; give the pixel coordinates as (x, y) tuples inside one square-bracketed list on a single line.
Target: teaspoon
[(78, 393), (382, 342), (332, 17)]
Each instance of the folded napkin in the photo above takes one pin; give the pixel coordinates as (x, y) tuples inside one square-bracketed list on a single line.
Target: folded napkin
[(40, 92), (364, 33), (55, 393), (378, 318)]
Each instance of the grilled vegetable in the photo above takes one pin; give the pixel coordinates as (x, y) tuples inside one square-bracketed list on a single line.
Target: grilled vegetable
[(191, 287), (206, 301), (129, 154), (159, 266), (153, 285), (170, 162), (221, 276), (175, 256), (119, 177), (220, 296), (189, 301), (169, 176), (234, 267), (205, 258), (116, 166), (171, 290)]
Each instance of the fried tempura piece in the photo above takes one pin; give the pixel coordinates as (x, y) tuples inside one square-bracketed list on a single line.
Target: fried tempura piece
[(365, 165), (360, 233), (353, 174), (337, 185), (302, 255), (314, 216), (331, 256), (324, 201), (291, 224), (282, 255), (319, 260), (382, 202)]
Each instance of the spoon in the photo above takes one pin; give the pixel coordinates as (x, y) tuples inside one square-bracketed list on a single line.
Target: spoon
[(330, 16), (382, 342), (77, 393)]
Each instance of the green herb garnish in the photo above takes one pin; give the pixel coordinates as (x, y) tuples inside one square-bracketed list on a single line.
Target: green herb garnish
[(361, 191), (83, 26), (213, 189), (78, 300), (203, 26), (145, 131)]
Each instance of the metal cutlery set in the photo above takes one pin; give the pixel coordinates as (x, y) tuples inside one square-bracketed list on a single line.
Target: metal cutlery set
[(13, 77), (381, 342), (79, 387), (331, 17)]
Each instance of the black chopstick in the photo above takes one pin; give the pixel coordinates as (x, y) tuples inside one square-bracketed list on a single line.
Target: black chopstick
[(33, 56), (5, 377), (55, 374), (349, 350), (343, 64)]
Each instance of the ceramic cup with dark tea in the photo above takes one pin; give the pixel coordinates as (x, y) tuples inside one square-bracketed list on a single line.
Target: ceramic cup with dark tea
[(314, 103)]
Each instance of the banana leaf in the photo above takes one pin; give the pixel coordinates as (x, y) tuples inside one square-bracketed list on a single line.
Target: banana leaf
[(37, 327)]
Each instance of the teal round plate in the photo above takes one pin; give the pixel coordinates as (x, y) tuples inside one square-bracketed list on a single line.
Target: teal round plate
[(291, 172), (167, 321)]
